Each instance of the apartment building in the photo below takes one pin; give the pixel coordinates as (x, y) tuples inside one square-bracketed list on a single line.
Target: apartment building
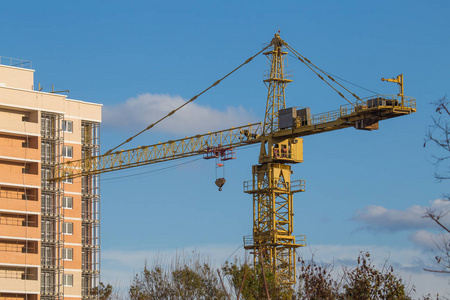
[(49, 231)]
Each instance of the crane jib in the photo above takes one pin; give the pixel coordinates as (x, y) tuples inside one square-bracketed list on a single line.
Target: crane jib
[(378, 108)]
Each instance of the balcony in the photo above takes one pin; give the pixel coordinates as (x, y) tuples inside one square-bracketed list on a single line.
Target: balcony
[(20, 127), (19, 279), (19, 225), (16, 173), (19, 154), (19, 258)]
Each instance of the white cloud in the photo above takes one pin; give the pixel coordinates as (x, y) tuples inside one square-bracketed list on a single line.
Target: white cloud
[(425, 239), (381, 218), (137, 113)]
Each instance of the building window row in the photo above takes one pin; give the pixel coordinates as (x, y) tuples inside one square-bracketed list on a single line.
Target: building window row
[(23, 273), (18, 219), (18, 246)]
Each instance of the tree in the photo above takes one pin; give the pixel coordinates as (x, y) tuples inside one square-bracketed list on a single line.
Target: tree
[(250, 284), (364, 281), (317, 282), (367, 282), (439, 137), (106, 292), (186, 278)]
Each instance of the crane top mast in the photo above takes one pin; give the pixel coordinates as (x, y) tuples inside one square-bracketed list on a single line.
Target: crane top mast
[(276, 84)]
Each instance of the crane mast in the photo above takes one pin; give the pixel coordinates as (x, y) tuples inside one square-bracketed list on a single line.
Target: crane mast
[(273, 242)]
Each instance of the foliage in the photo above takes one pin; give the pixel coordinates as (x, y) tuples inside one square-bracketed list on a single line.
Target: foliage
[(439, 137), (316, 281), (366, 282), (186, 278), (249, 283), (194, 278), (106, 292)]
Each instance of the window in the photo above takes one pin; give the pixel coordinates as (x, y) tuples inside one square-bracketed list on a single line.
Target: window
[(67, 253), (67, 179), (47, 129), (67, 126), (67, 151), (67, 202), (47, 257), (47, 154), (68, 228), (25, 170), (46, 173), (68, 280), (46, 230)]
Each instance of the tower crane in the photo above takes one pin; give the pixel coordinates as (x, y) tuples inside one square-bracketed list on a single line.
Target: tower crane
[(280, 136)]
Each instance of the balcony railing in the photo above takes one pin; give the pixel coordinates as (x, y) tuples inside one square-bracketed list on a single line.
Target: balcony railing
[(15, 62)]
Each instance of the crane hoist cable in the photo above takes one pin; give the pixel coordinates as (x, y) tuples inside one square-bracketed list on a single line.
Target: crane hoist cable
[(308, 63), (189, 101)]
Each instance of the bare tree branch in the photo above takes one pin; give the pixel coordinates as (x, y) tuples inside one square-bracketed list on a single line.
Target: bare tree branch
[(437, 271), (430, 213), (439, 136)]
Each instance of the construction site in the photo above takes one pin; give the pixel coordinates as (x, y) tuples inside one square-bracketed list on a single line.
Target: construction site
[(50, 167)]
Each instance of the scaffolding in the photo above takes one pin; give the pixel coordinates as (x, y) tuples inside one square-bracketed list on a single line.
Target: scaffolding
[(52, 214), (90, 214)]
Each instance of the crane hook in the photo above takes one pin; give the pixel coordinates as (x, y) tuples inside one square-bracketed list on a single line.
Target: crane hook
[(220, 182)]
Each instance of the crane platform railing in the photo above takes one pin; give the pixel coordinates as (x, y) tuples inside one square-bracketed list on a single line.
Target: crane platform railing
[(252, 186), (369, 103), (300, 241)]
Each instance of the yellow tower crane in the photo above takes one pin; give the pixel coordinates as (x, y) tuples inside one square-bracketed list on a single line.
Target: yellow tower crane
[(272, 242)]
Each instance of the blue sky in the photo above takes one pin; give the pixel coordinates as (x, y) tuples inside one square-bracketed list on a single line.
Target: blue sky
[(365, 190)]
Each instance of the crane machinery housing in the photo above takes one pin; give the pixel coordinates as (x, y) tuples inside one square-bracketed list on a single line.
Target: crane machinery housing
[(273, 242)]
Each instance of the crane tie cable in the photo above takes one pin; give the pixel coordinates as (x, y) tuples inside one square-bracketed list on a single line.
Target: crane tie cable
[(340, 78), (187, 102), (307, 62)]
